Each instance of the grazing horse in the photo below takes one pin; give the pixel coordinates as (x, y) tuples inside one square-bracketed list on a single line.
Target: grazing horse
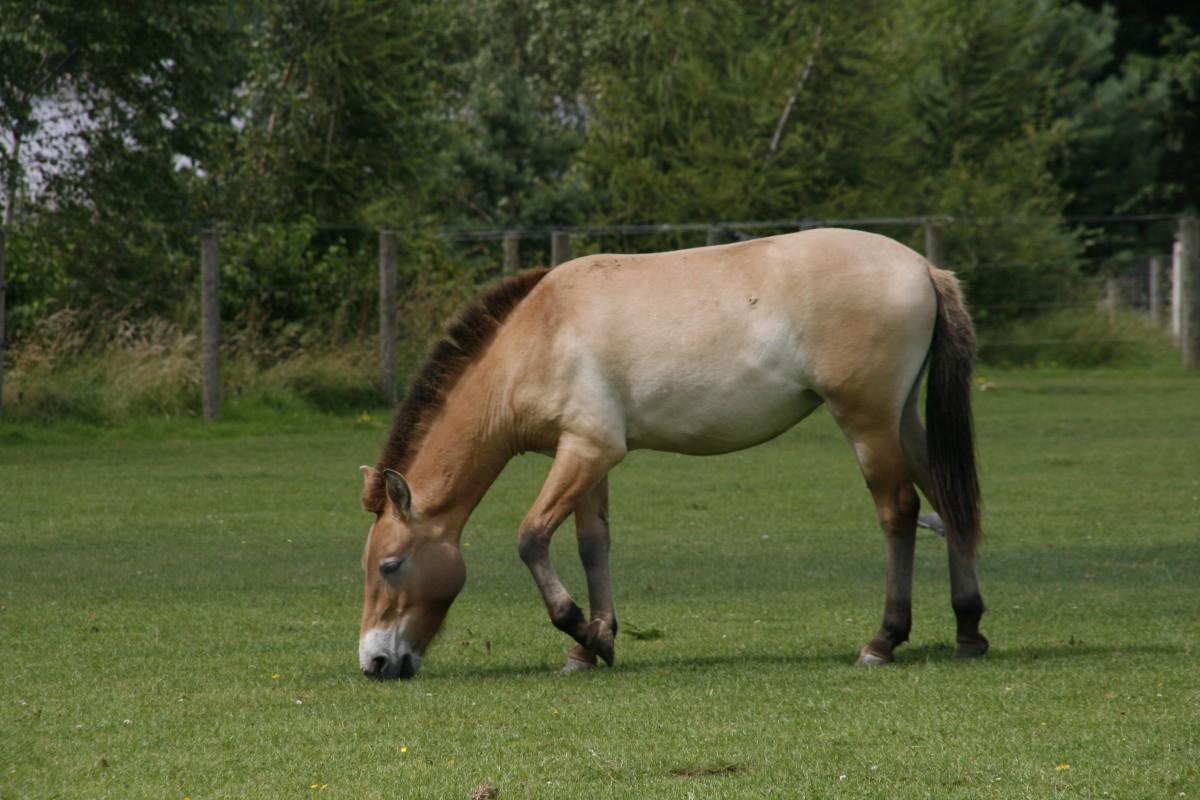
[(700, 351)]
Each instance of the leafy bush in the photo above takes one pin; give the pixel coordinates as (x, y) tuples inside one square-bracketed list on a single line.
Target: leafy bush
[(284, 278)]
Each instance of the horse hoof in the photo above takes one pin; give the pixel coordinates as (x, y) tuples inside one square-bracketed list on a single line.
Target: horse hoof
[(971, 649), (869, 658), (601, 641), (579, 660), (933, 522), (573, 666)]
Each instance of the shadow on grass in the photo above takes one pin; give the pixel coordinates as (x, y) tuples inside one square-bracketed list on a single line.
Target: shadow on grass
[(906, 658), (1065, 651)]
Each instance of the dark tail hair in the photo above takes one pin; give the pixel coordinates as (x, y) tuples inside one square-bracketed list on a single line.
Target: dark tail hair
[(948, 417)]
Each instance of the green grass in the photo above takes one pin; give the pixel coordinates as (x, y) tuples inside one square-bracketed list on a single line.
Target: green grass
[(178, 618)]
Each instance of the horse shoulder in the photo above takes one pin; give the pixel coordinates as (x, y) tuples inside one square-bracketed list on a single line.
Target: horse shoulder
[(546, 377)]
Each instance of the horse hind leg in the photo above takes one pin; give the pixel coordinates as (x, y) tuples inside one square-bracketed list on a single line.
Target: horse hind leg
[(965, 597), (883, 464)]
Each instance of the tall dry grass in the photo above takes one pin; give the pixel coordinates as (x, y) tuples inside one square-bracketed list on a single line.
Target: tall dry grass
[(112, 370), (105, 370)]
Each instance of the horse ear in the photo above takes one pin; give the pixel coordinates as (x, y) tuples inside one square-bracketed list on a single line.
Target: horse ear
[(399, 492)]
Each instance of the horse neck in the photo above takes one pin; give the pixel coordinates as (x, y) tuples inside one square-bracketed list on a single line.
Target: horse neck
[(460, 457)]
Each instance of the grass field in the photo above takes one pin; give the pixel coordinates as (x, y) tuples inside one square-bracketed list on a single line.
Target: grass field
[(179, 609)]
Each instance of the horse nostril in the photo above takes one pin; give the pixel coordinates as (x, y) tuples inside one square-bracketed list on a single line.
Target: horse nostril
[(377, 668)]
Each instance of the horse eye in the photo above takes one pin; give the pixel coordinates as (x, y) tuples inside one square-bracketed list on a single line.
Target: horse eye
[(390, 567)]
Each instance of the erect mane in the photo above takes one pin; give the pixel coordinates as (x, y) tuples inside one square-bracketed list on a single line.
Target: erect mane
[(465, 339)]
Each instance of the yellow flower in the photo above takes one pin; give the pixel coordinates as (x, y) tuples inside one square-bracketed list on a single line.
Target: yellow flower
[(1063, 767), (404, 749), (275, 677)]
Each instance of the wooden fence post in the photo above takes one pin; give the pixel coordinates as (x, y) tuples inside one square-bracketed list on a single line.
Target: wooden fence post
[(3, 329), (1188, 276), (935, 244), (715, 235), (1112, 298), (560, 248), (1158, 289), (512, 252), (210, 335), (389, 331)]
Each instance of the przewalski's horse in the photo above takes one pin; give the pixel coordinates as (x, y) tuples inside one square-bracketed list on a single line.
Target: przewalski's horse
[(700, 351)]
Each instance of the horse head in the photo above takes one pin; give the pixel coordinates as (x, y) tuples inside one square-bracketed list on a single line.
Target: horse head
[(413, 572)]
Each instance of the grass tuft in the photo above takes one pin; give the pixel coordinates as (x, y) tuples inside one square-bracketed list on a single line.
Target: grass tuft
[(708, 771)]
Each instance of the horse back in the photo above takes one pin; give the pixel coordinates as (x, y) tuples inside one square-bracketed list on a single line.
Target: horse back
[(717, 348)]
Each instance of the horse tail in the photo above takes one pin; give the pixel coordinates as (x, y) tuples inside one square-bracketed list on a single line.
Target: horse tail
[(948, 417)]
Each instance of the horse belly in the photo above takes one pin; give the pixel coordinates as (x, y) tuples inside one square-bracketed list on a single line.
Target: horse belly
[(699, 414)]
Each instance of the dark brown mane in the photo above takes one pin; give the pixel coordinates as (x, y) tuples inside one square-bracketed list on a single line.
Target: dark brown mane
[(466, 337)]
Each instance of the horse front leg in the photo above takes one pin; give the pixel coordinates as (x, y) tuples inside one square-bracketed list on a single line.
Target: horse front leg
[(574, 484), (592, 535)]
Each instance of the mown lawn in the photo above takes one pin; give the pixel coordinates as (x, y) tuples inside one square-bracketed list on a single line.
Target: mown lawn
[(179, 609)]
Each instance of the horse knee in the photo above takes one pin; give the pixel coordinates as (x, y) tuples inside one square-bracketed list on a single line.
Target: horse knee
[(534, 547)]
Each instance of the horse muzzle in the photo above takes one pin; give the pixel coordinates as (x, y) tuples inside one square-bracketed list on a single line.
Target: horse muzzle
[(385, 655)]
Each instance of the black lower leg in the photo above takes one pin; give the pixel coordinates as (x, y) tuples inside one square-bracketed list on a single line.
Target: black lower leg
[(969, 642)]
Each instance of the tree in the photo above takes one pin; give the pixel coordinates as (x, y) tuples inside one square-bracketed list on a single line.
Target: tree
[(966, 125), (100, 104), (337, 113), (521, 110), (725, 110), (90, 91)]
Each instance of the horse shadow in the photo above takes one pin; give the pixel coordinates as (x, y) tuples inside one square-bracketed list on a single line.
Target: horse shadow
[(908, 658)]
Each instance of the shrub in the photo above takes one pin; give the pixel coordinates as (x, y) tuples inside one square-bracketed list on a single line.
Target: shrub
[(1078, 338)]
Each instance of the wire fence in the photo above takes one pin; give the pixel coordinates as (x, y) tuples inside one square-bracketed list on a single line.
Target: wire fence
[(1117, 272), (1115, 280)]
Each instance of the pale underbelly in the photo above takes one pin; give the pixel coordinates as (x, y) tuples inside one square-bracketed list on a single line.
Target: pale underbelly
[(711, 422)]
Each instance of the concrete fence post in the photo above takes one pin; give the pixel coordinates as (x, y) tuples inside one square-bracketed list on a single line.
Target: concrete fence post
[(210, 325), (389, 329), (1158, 289), (3, 328), (1187, 276)]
